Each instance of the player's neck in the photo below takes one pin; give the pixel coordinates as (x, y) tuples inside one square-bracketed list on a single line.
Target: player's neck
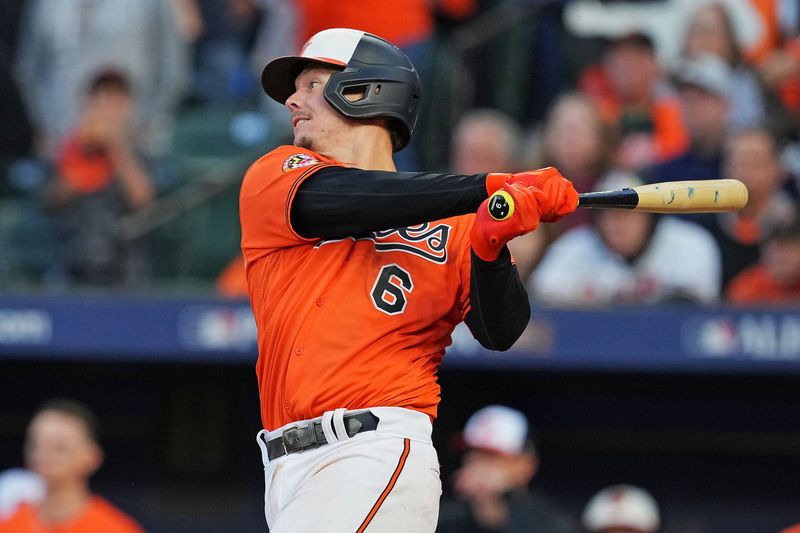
[(368, 147)]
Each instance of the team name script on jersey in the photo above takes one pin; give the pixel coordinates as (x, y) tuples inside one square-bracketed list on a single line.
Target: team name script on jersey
[(423, 240)]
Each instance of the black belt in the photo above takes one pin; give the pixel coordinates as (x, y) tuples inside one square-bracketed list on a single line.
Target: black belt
[(295, 439)]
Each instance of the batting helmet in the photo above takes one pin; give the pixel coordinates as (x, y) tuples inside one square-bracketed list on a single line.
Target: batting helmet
[(369, 65)]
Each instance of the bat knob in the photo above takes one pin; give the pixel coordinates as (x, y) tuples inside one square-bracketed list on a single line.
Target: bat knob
[(501, 206)]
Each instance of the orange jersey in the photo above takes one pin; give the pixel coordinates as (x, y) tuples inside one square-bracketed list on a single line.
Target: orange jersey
[(355, 322), (99, 516)]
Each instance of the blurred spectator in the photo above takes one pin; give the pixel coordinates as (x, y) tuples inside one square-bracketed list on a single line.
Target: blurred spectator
[(63, 44), (16, 135), (750, 155), (777, 54), (710, 31), (99, 178), (493, 484), (578, 143), (229, 30), (232, 281), (17, 486), (628, 257), (622, 509), (665, 21), (634, 97), (62, 446), (188, 19), (403, 22), (776, 277), (408, 24), (703, 84), (485, 140), (489, 140)]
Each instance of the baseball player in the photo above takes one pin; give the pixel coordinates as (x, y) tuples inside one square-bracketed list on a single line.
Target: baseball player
[(357, 276)]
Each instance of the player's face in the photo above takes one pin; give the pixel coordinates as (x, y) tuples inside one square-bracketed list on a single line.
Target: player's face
[(317, 126), (59, 449)]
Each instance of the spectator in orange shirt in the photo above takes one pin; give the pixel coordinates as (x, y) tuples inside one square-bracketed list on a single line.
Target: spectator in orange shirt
[(62, 447), (750, 155), (232, 281), (633, 96), (100, 177), (776, 277)]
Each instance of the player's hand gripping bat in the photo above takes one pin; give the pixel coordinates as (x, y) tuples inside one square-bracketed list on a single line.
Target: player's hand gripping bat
[(701, 196)]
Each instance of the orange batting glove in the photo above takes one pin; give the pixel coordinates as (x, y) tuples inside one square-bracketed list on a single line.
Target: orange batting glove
[(488, 235), (563, 198)]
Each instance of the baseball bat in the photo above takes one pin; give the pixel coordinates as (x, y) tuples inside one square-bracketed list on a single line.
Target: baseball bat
[(699, 196)]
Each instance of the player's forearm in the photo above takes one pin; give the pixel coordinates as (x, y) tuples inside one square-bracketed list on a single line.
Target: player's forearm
[(499, 308), (340, 202)]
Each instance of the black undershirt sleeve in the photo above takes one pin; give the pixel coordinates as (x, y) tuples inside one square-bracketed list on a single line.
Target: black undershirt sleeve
[(338, 202), (499, 307)]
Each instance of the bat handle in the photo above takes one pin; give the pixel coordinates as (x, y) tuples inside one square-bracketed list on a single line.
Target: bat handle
[(625, 199)]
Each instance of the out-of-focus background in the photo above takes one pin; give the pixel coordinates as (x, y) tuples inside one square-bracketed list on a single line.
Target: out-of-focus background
[(662, 352)]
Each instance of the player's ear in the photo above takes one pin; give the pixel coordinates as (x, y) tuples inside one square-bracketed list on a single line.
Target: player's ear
[(94, 458)]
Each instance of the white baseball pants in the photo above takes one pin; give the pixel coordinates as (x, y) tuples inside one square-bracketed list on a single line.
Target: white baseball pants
[(386, 480)]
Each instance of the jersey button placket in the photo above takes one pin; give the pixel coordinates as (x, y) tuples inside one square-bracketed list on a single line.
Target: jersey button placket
[(298, 351), (320, 301)]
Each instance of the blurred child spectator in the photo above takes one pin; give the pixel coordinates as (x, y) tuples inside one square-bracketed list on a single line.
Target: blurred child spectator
[(750, 155), (628, 257), (703, 84), (710, 31), (775, 278), (99, 178), (63, 447), (622, 509), (634, 97), (63, 44), (493, 484)]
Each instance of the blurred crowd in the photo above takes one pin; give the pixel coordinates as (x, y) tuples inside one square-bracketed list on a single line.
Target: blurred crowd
[(494, 488), (113, 108)]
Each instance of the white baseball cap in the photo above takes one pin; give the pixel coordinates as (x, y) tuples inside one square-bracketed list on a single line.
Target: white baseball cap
[(497, 428), (622, 506), (707, 71)]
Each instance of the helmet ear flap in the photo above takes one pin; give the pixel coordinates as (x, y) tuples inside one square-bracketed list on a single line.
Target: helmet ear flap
[(371, 91)]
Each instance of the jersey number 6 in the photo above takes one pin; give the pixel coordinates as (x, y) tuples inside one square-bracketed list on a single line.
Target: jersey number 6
[(389, 290)]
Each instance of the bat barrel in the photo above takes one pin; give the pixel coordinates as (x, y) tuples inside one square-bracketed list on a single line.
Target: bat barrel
[(702, 196)]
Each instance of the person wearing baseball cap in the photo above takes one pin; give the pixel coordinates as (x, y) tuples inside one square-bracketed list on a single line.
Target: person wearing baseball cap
[(357, 276), (704, 86), (493, 484), (622, 509)]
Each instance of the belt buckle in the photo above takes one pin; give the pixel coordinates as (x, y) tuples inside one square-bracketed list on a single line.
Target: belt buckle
[(288, 433)]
